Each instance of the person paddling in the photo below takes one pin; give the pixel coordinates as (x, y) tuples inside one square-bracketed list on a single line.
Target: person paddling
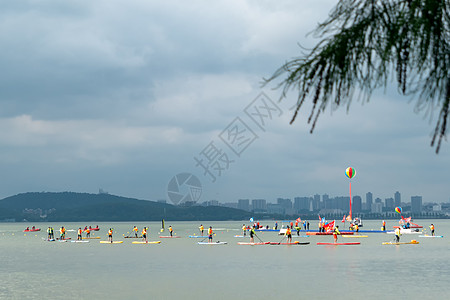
[(62, 233), (244, 230), (335, 233), (49, 233), (252, 234), (289, 234), (201, 228), (135, 230), (210, 234), (171, 231), (88, 233)]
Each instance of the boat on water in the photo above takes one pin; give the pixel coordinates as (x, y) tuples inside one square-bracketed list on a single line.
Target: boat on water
[(32, 229)]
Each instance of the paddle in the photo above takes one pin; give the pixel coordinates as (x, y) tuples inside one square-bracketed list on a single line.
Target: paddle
[(259, 238), (282, 239)]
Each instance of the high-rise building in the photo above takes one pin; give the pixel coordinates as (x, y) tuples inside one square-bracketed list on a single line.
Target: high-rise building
[(357, 204), (316, 202), (389, 203), (369, 201), (259, 204), (244, 204), (397, 199), (416, 204), (302, 203), (284, 203)]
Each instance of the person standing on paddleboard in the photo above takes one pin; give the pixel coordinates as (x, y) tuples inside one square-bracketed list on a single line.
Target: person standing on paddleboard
[(335, 233), (88, 233), (62, 233), (244, 230), (171, 231), (201, 228), (398, 233), (289, 234), (210, 234), (252, 234), (432, 229), (144, 234), (49, 233), (110, 233), (135, 231), (383, 227), (79, 237)]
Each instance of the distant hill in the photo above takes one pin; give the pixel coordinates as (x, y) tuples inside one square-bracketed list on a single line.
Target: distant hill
[(74, 207)]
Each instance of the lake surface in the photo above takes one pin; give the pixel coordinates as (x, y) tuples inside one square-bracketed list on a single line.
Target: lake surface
[(32, 268)]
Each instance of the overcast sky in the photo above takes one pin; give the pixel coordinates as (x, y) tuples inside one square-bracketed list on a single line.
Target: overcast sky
[(125, 95)]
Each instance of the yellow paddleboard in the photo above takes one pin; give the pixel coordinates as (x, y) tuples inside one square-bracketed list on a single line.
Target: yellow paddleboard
[(354, 236), (91, 238), (401, 243), (114, 242)]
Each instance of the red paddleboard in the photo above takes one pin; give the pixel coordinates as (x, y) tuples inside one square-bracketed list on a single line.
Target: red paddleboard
[(336, 244), (169, 237), (32, 230), (329, 233)]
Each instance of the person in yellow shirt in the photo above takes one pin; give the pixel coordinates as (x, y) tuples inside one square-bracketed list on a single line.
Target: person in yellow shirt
[(80, 232), (170, 230), (201, 228), (62, 233), (398, 233), (88, 233), (135, 231), (144, 234), (336, 232), (244, 230), (210, 234), (432, 229)]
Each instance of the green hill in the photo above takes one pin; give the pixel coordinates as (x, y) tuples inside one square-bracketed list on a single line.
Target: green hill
[(74, 207)]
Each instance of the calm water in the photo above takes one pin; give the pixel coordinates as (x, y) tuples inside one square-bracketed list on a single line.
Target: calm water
[(34, 269)]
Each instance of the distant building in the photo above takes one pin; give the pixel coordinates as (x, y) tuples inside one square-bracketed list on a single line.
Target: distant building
[(369, 201), (315, 202), (357, 204), (231, 204), (397, 199), (284, 203), (275, 209), (416, 204), (244, 204), (389, 203), (259, 205), (377, 207), (302, 203)]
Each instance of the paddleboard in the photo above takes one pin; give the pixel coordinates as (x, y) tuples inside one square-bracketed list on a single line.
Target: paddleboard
[(337, 244), (108, 242), (253, 244), (354, 236), (169, 237), (149, 242), (91, 238), (198, 236), (431, 236), (49, 240), (293, 243), (240, 236), (213, 243), (132, 237), (413, 242), (78, 241)]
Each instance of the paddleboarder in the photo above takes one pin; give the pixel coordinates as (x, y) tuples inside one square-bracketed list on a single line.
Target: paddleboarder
[(244, 229), (110, 233), (170, 230), (201, 228), (432, 229), (210, 234), (79, 237), (289, 234), (62, 233), (384, 226), (88, 233), (144, 234), (398, 233), (252, 234), (135, 230), (335, 233), (49, 233)]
